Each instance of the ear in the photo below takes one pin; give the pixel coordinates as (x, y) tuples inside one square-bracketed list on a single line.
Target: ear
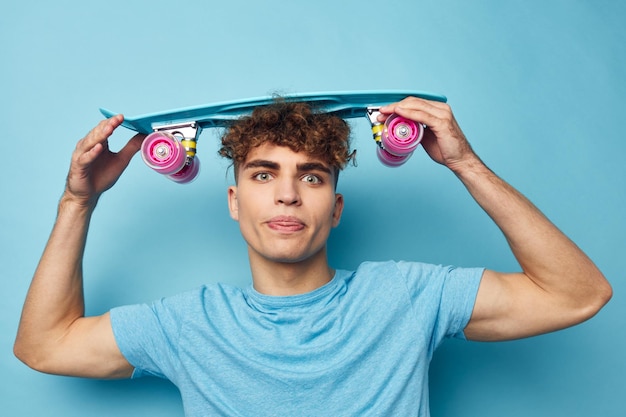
[(338, 209), (233, 205)]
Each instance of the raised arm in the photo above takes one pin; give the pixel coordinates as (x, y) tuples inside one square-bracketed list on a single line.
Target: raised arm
[(559, 286), (53, 335)]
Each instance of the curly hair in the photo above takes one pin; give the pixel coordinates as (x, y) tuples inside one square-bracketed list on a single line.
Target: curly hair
[(292, 124)]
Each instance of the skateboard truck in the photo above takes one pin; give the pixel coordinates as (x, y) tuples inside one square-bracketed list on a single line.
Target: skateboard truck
[(396, 138), (377, 127), (171, 150)]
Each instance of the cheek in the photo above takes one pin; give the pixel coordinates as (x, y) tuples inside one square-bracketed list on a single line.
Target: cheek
[(247, 226), (250, 208), (329, 210)]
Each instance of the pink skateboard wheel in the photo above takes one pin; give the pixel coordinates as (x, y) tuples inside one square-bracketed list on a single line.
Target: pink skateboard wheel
[(163, 153), (390, 159), (188, 173), (401, 136)]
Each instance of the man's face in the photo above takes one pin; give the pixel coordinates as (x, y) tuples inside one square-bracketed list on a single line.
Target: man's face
[(285, 203)]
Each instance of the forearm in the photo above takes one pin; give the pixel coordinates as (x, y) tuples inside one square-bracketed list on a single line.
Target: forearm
[(55, 297), (559, 285), (547, 257)]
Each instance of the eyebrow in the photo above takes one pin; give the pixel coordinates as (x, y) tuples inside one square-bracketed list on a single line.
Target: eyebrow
[(303, 167), (313, 166), (261, 163)]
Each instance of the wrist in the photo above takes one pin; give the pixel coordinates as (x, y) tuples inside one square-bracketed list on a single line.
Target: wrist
[(469, 166), (71, 203)]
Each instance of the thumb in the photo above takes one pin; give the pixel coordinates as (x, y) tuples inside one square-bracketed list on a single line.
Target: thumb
[(131, 148), (430, 145)]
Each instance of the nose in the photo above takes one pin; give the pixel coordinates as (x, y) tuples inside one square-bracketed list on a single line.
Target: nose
[(287, 192)]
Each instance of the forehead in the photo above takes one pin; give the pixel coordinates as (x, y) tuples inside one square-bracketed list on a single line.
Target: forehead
[(281, 155)]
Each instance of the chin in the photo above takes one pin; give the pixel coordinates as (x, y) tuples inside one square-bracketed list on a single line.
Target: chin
[(288, 259), (291, 257)]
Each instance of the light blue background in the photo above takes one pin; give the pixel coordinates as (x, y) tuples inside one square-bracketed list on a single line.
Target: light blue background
[(538, 87)]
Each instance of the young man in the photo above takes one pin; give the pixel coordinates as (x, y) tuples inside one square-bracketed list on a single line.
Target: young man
[(304, 339)]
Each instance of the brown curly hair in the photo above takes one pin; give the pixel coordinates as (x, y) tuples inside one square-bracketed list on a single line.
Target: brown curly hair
[(296, 125)]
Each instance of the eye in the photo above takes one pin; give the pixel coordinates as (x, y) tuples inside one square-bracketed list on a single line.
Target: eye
[(311, 179), (263, 176)]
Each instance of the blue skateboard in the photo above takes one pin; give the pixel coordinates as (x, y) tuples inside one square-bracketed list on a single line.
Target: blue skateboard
[(170, 147)]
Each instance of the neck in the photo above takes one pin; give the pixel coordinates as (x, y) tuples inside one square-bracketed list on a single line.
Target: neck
[(289, 278)]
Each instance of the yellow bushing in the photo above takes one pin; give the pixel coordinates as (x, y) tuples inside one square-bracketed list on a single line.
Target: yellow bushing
[(190, 147)]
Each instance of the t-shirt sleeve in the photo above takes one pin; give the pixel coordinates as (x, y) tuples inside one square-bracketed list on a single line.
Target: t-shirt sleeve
[(442, 295), (146, 334)]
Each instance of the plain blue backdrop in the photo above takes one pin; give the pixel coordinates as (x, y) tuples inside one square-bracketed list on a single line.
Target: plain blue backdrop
[(538, 87)]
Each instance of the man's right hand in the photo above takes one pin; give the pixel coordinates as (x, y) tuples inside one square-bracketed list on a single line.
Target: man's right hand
[(94, 168)]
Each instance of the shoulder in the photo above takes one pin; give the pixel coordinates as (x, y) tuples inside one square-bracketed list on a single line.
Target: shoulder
[(178, 308), (391, 276), (411, 270), (419, 277), (209, 297)]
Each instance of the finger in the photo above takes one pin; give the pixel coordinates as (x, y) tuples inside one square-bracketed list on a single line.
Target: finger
[(100, 133), (425, 117), (96, 141), (429, 140), (414, 102), (423, 111), (131, 148)]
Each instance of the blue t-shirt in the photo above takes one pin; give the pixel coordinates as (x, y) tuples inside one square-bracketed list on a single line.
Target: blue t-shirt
[(358, 346)]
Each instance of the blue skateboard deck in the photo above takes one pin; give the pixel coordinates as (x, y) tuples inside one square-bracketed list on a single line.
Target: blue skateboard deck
[(343, 104), (170, 147)]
